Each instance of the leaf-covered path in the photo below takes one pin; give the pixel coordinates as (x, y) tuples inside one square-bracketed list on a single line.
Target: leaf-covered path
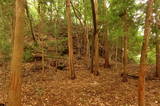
[(56, 89)]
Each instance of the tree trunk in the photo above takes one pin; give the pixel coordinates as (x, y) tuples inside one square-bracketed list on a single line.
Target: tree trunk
[(106, 42), (88, 59), (40, 39), (125, 58), (122, 49), (106, 46), (30, 21), (86, 38), (96, 56), (157, 43), (70, 39), (158, 56), (95, 40), (16, 62), (143, 59), (116, 57)]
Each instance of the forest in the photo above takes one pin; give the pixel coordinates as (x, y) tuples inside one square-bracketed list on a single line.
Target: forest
[(79, 52)]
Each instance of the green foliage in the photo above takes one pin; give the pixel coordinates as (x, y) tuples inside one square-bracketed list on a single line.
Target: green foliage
[(134, 57), (5, 15), (5, 47), (28, 55), (111, 15), (152, 56)]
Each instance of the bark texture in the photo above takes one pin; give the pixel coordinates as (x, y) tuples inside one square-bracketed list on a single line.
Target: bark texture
[(157, 44), (143, 59), (70, 39), (125, 55), (125, 58), (16, 62), (95, 40), (158, 56), (106, 42)]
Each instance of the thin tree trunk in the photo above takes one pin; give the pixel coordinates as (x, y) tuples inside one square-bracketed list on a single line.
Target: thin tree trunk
[(95, 40), (143, 59), (106, 42), (94, 33), (92, 56), (125, 44), (76, 15), (56, 32), (157, 44), (43, 53), (125, 58), (86, 39), (30, 21), (70, 39), (116, 57), (158, 55), (96, 56), (122, 49), (16, 62), (41, 31), (96, 46), (87, 47)]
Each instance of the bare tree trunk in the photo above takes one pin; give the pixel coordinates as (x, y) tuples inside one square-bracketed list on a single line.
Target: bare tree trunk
[(125, 44), (95, 40), (106, 42), (125, 58), (30, 21), (96, 56), (96, 46), (40, 40), (70, 39), (86, 39), (116, 57), (43, 53), (56, 32), (157, 44), (158, 55), (16, 62), (87, 47), (143, 59), (122, 49)]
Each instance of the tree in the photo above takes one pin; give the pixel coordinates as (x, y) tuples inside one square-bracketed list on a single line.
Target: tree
[(70, 39), (106, 42), (30, 21), (143, 59), (95, 40), (158, 54), (125, 56), (86, 37), (157, 24), (16, 62)]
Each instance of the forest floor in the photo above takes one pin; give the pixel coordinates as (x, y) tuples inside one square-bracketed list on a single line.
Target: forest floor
[(52, 88)]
